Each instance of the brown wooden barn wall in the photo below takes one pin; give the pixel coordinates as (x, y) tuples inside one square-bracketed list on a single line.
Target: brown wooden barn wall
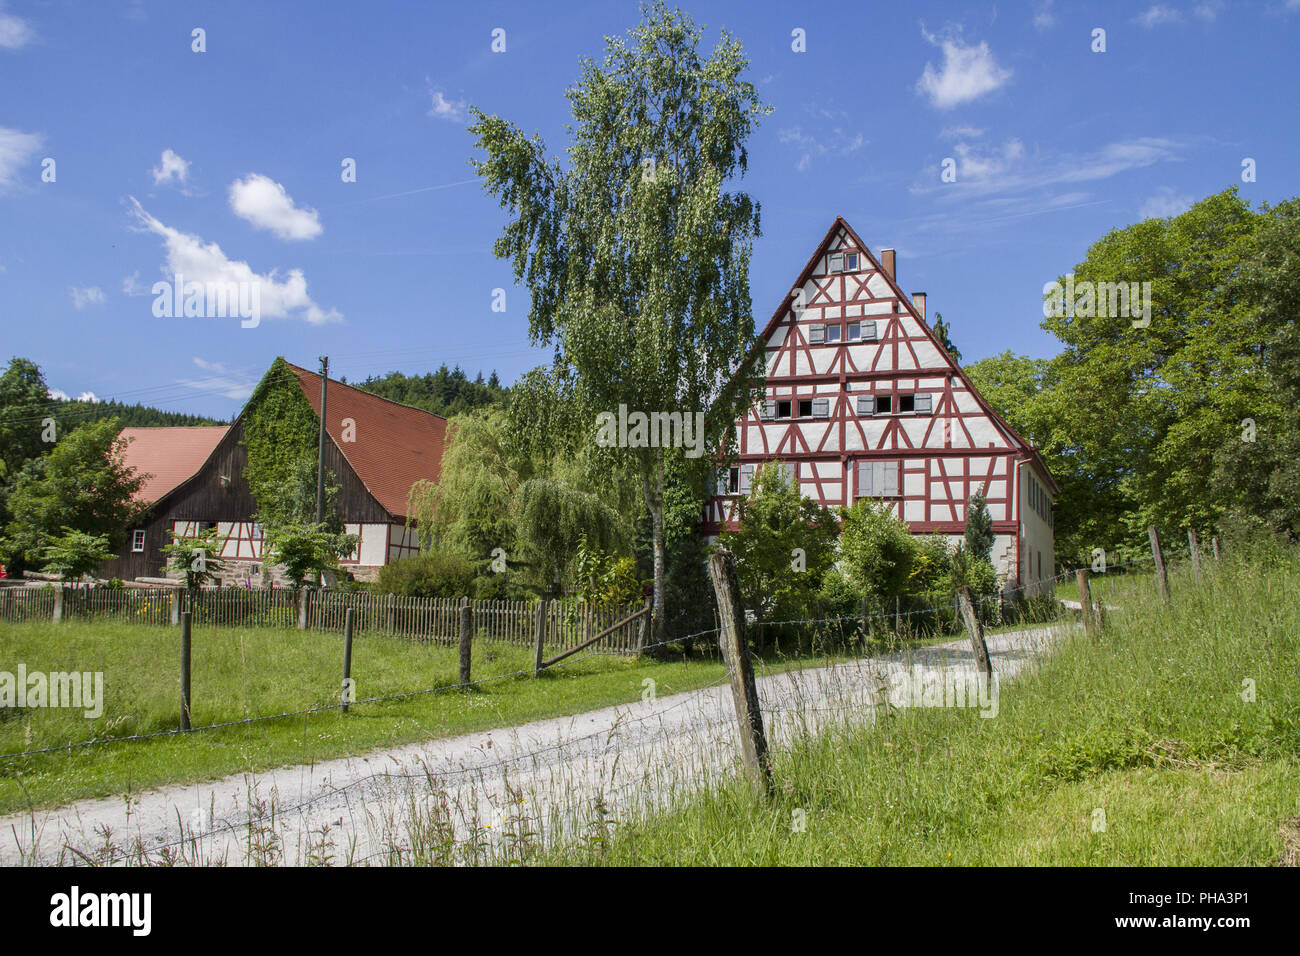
[(205, 498)]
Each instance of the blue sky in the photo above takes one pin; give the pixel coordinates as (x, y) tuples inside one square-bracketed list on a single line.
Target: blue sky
[(229, 161)]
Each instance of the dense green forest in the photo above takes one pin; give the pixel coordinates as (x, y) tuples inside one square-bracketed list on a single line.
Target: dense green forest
[(446, 392), (75, 412)]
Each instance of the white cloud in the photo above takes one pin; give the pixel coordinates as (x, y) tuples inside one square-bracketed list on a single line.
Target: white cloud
[(1044, 18), (961, 132), (91, 295), (204, 262), (988, 169), (15, 32), (1209, 10), (16, 148), (131, 285), (1157, 14), (221, 381), (60, 395), (833, 142), (983, 165), (443, 108), (170, 169), (968, 73), (1164, 204), (263, 202)]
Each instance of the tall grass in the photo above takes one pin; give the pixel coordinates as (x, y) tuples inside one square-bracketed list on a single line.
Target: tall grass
[(1145, 746), (253, 672)]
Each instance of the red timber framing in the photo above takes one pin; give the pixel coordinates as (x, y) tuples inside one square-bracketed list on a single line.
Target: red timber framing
[(875, 386)]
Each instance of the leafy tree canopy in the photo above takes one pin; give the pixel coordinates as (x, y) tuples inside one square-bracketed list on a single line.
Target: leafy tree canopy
[(83, 484), (636, 255)]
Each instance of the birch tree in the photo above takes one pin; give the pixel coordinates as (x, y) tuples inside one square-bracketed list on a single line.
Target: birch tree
[(635, 250)]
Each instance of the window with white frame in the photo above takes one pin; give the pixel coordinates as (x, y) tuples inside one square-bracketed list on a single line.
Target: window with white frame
[(137, 540), (832, 333), (878, 479)]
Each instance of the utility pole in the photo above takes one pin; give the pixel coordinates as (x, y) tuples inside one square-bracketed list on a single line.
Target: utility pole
[(320, 451), (320, 442)]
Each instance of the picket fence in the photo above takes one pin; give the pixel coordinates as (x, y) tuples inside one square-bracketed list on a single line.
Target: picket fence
[(567, 622)]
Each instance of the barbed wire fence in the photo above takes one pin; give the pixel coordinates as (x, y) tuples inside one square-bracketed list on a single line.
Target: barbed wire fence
[(536, 757)]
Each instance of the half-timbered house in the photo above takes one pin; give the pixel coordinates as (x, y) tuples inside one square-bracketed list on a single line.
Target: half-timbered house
[(375, 448), (863, 402)]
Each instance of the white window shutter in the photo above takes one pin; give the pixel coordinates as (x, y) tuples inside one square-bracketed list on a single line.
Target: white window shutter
[(869, 332), (924, 403), (768, 411), (821, 407), (890, 483), (723, 482), (865, 486), (866, 404), (746, 478), (816, 334)]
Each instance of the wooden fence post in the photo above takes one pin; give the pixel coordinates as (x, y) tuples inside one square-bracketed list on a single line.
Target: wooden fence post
[(1214, 544), (643, 629), (539, 637), (1085, 603), (392, 613), (176, 608), (1195, 544), (740, 670), (303, 601), (349, 695), (185, 670), (58, 603), (1162, 579), (898, 616), (466, 638), (975, 630)]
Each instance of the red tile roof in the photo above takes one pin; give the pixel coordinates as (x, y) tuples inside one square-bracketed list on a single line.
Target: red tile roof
[(169, 455), (395, 445)]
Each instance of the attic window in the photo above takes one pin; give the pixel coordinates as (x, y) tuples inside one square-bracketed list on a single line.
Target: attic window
[(832, 333), (854, 332), (805, 408), (907, 403), (137, 541), (884, 404), (843, 262), (783, 409)]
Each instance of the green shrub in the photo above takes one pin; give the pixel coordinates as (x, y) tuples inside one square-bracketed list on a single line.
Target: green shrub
[(428, 574)]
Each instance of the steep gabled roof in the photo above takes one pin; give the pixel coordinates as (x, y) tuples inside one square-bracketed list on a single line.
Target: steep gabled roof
[(394, 445), (954, 368), (169, 455)]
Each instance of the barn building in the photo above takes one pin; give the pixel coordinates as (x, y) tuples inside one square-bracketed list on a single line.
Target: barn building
[(863, 402), (375, 448)]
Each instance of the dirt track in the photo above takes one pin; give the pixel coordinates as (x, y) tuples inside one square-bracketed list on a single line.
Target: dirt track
[(426, 801)]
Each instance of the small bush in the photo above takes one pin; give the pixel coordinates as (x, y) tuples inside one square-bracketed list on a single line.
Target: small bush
[(428, 574)]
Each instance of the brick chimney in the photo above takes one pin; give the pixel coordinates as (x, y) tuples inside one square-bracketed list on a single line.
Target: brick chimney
[(918, 303), (887, 262)]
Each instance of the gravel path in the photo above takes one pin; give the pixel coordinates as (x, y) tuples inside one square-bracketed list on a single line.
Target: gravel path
[(457, 799)]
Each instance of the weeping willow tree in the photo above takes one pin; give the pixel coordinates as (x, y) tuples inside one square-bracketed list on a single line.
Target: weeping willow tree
[(553, 521), (492, 496), (469, 508), (636, 253)]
